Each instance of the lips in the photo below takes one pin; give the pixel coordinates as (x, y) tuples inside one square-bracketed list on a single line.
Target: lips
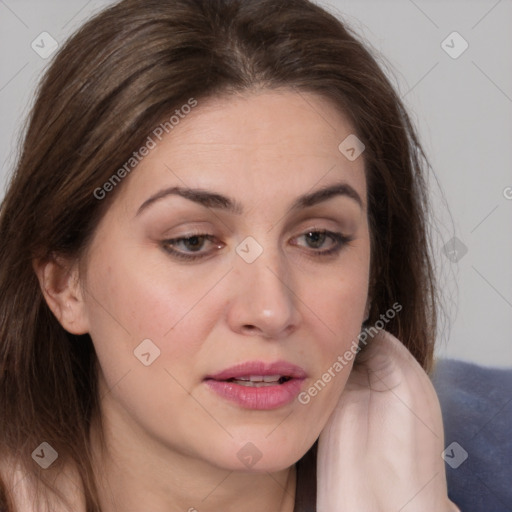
[(258, 385)]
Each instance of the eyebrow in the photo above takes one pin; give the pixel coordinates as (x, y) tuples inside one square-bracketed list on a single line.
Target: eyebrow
[(213, 200)]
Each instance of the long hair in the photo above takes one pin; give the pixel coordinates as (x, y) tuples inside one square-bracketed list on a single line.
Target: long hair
[(120, 75)]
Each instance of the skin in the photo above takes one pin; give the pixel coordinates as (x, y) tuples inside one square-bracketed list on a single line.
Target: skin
[(172, 443), (380, 449)]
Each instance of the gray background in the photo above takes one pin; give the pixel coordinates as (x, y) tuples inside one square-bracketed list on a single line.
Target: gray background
[(462, 107)]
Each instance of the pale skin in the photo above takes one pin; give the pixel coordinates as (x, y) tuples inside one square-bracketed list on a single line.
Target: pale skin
[(173, 443), (389, 428)]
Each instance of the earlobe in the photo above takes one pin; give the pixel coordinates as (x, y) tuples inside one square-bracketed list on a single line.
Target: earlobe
[(60, 284)]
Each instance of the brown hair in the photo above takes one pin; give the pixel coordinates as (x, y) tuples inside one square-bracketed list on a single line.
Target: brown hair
[(118, 77)]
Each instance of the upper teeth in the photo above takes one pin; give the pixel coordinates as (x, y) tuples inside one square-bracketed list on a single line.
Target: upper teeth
[(260, 378)]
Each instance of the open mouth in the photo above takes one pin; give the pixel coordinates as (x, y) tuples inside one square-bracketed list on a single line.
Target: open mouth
[(257, 381), (257, 391), (258, 385)]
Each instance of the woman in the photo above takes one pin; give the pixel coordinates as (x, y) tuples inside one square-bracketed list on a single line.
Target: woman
[(218, 205)]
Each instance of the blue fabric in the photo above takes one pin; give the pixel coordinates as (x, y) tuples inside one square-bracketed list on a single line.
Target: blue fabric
[(477, 414)]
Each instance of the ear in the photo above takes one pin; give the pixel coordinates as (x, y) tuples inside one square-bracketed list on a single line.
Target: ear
[(60, 284)]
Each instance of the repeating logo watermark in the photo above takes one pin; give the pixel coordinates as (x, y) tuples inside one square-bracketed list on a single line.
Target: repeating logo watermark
[(249, 249), (146, 352), (455, 249), (45, 455), (454, 455), (249, 454), (44, 45), (351, 147), (454, 45)]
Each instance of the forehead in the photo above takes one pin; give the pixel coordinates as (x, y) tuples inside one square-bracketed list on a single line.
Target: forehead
[(254, 143), (306, 123)]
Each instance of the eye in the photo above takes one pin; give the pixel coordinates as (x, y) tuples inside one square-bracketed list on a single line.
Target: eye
[(316, 239), (189, 247)]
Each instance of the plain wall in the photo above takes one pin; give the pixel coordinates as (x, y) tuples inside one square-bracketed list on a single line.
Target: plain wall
[(462, 107)]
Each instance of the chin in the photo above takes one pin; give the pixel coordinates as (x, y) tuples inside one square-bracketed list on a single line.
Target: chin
[(259, 454)]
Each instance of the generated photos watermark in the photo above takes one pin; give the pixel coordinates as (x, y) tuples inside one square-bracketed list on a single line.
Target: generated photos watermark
[(151, 143), (344, 360)]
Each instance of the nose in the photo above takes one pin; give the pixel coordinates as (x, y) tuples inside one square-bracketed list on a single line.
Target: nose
[(264, 302)]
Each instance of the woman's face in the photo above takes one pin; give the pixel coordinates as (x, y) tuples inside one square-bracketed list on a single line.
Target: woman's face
[(248, 265)]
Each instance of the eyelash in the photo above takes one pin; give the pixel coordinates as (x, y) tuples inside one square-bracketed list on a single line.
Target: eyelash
[(339, 240)]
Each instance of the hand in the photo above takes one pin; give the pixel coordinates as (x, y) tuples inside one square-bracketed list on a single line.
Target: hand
[(381, 448)]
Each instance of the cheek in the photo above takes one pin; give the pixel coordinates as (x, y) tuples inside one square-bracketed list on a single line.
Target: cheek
[(143, 297), (139, 299), (336, 307), (131, 305), (337, 313), (337, 299)]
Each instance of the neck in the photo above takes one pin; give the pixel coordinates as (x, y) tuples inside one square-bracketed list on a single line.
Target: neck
[(134, 474)]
